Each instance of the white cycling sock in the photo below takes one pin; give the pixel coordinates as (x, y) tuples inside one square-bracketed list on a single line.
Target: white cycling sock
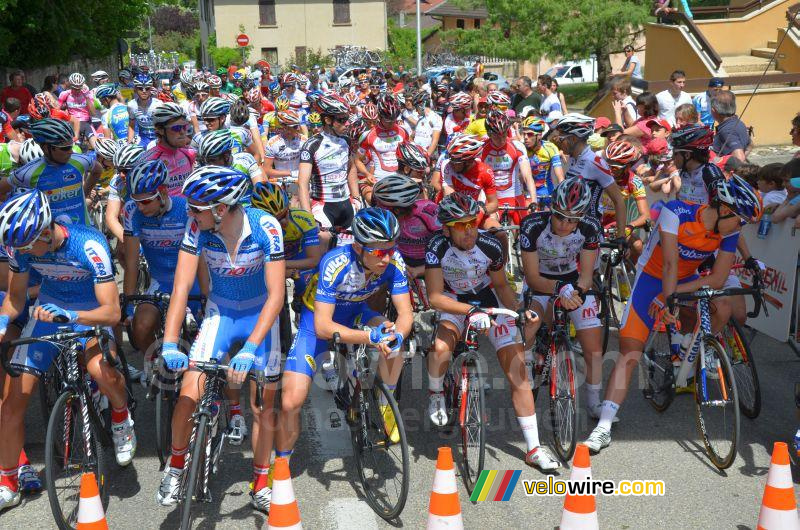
[(607, 414), (530, 430), (593, 394), (435, 384)]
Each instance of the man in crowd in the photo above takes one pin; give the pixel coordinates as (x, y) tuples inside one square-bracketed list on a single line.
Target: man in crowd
[(732, 137), (673, 97), (524, 94)]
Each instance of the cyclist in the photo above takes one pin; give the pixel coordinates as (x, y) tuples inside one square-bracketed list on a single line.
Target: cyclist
[(140, 111), (77, 286), (458, 118), (10, 154), (216, 149), (510, 166), (335, 302), (67, 177), (125, 158), (413, 162), (690, 146), (283, 150), (192, 108), (465, 173), (314, 123), (173, 132), (428, 127), (370, 114), (212, 113), (559, 248), (78, 100), (379, 147), (686, 234), (544, 157), (245, 128), (247, 293), (115, 114), (465, 278), (125, 84)]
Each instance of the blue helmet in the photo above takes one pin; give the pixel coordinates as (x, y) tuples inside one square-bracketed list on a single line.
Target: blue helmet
[(147, 176), (23, 217), (108, 90), (740, 197), (50, 131), (214, 144), (216, 185), (375, 225), (142, 81)]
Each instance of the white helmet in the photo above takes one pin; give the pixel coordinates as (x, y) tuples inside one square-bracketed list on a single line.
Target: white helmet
[(99, 76), (76, 80), (396, 191), (106, 147), (167, 112), (29, 151)]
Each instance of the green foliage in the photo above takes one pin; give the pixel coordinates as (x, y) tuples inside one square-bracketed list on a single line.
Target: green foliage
[(403, 45), (224, 56), (578, 95), (41, 32), (185, 45), (311, 57)]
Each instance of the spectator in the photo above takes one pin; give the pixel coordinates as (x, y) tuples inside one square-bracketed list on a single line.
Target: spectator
[(662, 11), (791, 206), (686, 114), (11, 110), (631, 67), (795, 132), (671, 98), (478, 69), (554, 88), (647, 109), (659, 128), (62, 84), (771, 185), (749, 172), (550, 103), (702, 102), (612, 132), (17, 90), (621, 98), (524, 94), (732, 137)]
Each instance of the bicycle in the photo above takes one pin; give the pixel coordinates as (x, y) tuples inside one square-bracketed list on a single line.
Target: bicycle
[(78, 432), (97, 208), (613, 287), (208, 436), (512, 251), (359, 396)]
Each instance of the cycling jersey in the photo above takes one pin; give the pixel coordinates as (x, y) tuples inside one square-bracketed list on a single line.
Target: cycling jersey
[(300, 233), (381, 147), (78, 103), (631, 193), (426, 126), (115, 120), (465, 271), (62, 183), (297, 99), (143, 119), (285, 154), (505, 162), (237, 283), (193, 111), (595, 171), (179, 163), (117, 190), (477, 127), (7, 162), (416, 229), (558, 255), (696, 183), (329, 156), (242, 138), (451, 126), (546, 158), (475, 181)]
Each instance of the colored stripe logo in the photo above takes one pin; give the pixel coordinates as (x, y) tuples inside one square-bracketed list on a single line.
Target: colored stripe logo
[(494, 485)]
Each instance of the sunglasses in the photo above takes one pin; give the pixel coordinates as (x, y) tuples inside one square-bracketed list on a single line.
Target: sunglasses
[(146, 200), (379, 253), (179, 128), (463, 226), (30, 245), (342, 119), (566, 218), (63, 148), (209, 120), (531, 134), (142, 88), (198, 209)]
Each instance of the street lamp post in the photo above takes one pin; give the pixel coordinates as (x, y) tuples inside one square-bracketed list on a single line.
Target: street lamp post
[(419, 41)]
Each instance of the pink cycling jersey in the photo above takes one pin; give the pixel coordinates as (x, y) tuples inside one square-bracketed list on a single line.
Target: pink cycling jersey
[(416, 229), (179, 164), (79, 104)]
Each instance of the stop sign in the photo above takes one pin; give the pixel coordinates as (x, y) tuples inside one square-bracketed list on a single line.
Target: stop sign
[(242, 40)]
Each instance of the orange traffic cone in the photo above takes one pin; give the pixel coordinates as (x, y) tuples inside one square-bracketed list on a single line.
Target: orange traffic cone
[(580, 511), (283, 510), (444, 510), (90, 507), (779, 508)]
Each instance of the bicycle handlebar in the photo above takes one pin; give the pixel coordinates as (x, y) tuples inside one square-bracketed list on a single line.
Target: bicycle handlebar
[(220, 370), (59, 337), (707, 292)]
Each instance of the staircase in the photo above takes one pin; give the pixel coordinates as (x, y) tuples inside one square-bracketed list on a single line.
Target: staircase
[(760, 59)]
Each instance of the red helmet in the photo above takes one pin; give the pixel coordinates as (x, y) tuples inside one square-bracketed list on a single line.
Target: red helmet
[(692, 137), (412, 155), (356, 129), (38, 110), (388, 107), (370, 111), (351, 99), (460, 101), (464, 147), (497, 122), (621, 153)]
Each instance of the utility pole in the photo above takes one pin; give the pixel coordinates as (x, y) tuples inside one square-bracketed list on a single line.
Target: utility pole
[(419, 41)]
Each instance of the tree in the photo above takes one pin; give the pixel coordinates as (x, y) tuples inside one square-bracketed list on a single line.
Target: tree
[(558, 29), (403, 45)]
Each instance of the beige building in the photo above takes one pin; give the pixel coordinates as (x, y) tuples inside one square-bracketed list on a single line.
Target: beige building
[(279, 29)]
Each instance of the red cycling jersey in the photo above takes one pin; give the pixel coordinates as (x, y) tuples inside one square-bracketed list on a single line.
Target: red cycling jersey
[(475, 181), (379, 147)]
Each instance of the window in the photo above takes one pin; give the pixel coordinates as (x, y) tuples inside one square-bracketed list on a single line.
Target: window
[(576, 73), (460, 23), (266, 13), (341, 11), (270, 55), (477, 23)]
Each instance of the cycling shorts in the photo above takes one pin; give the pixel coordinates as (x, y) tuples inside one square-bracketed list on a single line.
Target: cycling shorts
[(308, 352), (221, 328), (503, 332), (636, 323), (22, 319), (515, 215), (584, 317), (86, 130), (543, 194), (330, 214)]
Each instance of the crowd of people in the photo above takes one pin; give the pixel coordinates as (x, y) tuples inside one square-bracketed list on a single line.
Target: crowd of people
[(233, 182)]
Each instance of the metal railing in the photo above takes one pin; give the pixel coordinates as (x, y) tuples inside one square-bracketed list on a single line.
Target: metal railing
[(706, 47), (728, 11)]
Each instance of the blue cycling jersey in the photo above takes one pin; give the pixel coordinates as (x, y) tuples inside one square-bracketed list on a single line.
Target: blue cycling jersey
[(143, 119), (116, 121), (62, 183), (70, 273), (238, 284)]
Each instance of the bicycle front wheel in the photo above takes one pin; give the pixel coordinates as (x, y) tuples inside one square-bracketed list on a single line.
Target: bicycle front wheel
[(564, 401), (67, 459), (744, 369), (165, 404), (660, 378), (473, 427), (717, 405), (383, 465), (195, 485)]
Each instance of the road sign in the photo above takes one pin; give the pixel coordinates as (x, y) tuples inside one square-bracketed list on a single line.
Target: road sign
[(242, 40)]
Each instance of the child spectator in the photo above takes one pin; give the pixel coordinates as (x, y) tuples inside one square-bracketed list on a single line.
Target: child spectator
[(686, 114), (771, 185)]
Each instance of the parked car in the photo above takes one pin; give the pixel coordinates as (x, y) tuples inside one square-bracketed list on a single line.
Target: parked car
[(574, 72)]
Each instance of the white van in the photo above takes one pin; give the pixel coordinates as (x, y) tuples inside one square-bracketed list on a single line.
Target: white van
[(574, 72)]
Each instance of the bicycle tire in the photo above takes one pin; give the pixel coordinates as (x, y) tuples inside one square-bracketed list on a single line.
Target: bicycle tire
[(374, 424), (49, 391), (165, 405), (602, 304), (659, 376), (744, 370), (198, 456), (56, 454), (472, 414), (725, 375), (564, 401)]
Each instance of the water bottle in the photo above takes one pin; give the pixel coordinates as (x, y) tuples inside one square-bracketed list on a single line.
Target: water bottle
[(624, 285), (675, 345), (764, 225)]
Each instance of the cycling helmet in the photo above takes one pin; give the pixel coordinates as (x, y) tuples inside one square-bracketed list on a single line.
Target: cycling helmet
[(240, 112), (38, 110), (186, 78), (535, 124), (106, 147), (388, 107), (313, 96), (497, 122), (375, 225), (214, 81), (289, 78), (124, 74), (332, 105), (370, 111), (421, 99), (214, 144), (253, 95), (166, 96), (692, 137), (346, 82), (740, 197), (76, 81), (572, 197), (363, 77), (281, 103), (166, 113), (108, 90), (376, 81), (412, 155), (495, 97), (29, 151), (50, 131), (356, 129), (443, 86), (216, 185), (577, 125), (99, 76), (147, 176), (395, 191), (270, 198), (464, 148), (289, 118), (460, 101), (142, 81), (621, 153), (23, 217), (457, 206), (214, 108), (201, 86), (314, 119), (352, 100), (127, 156)]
